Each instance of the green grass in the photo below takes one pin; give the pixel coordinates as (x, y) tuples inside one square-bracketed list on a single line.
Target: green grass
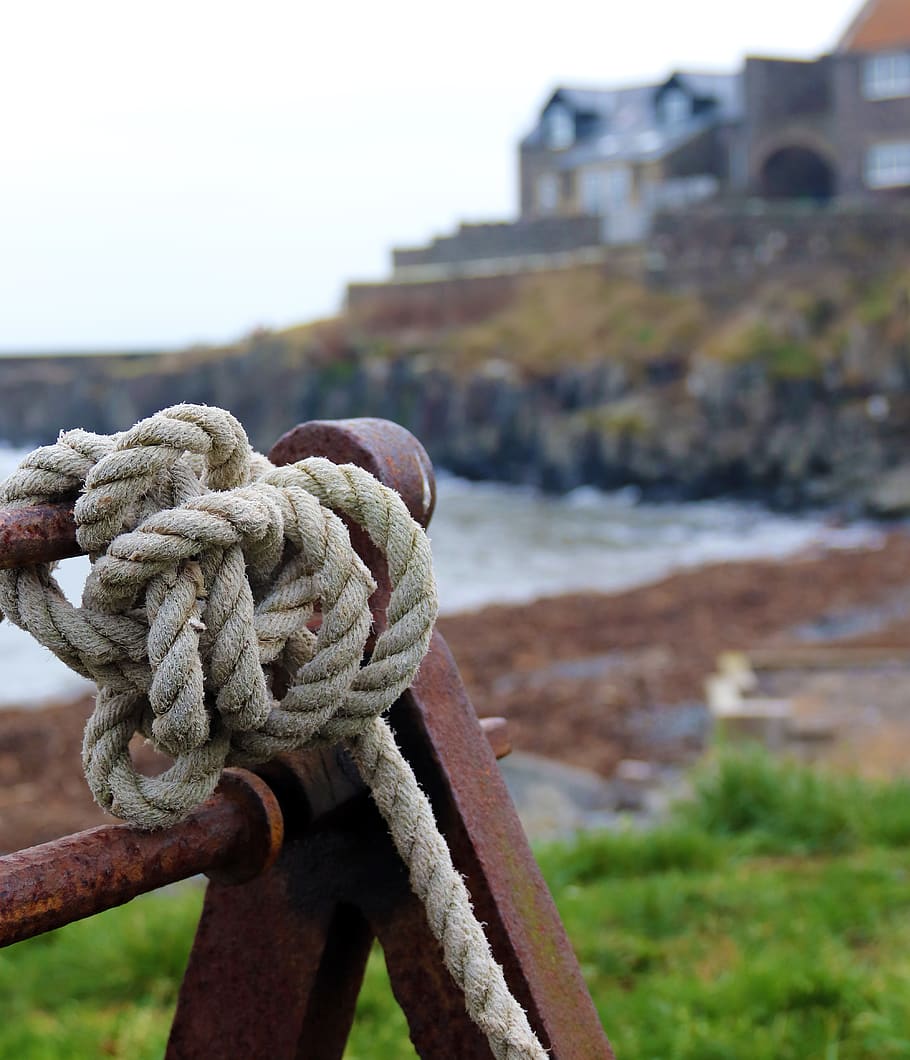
[(769, 918)]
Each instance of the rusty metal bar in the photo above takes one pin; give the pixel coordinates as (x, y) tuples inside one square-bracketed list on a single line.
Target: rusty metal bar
[(40, 533), (390, 453), (233, 837), (496, 731)]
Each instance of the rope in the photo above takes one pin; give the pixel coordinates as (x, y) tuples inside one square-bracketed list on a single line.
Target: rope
[(207, 563)]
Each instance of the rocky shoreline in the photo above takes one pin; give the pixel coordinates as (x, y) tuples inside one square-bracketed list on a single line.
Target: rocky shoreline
[(796, 396), (678, 429), (589, 680)]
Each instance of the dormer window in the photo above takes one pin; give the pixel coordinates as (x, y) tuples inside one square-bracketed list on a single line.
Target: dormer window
[(674, 108), (887, 76), (559, 127)]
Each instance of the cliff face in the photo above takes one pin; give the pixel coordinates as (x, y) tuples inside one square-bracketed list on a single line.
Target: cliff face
[(795, 398)]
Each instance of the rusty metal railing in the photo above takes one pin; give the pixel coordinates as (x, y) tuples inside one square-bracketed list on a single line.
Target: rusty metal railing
[(302, 874)]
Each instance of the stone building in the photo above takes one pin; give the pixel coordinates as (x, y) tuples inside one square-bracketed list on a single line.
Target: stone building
[(625, 154), (833, 127), (836, 127), (600, 166)]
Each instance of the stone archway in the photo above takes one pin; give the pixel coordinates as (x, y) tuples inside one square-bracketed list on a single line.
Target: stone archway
[(796, 172)]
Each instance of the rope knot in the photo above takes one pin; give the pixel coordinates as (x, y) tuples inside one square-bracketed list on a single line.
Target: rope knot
[(208, 565)]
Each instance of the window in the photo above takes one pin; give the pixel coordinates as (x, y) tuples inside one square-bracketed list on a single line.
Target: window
[(681, 191), (887, 76), (603, 190), (548, 193), (649, 140), (559, 127), (619, 185), (888, 165), (593, 191), (674, 108)]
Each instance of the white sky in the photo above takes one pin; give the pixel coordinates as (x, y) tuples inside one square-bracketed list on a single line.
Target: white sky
[(184, 171)]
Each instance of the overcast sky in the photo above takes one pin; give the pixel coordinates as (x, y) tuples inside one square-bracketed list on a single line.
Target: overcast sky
[(174, 172)]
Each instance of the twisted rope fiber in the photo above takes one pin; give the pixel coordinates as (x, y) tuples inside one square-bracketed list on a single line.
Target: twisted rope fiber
[(207, 563)]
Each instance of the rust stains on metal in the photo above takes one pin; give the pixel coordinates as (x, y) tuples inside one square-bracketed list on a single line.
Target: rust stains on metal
[(339, 866), (496, 731), (387, 451), (233, 836), (437, 1021), (40, 533), (381, 447), (291, 944), (256, 847), (276, 965)]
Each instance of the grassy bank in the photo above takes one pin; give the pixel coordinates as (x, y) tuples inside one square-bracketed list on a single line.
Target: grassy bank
[(770, 918)]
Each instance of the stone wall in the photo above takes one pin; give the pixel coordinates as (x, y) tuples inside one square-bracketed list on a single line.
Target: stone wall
[(721, 252), (790, 105), (449, 301), (718, 250), (820, 106), (500, 242), (430, 303)]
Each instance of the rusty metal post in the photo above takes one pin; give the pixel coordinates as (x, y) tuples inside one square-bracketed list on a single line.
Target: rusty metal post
[(281, 948), (233, 836), (276, 965)]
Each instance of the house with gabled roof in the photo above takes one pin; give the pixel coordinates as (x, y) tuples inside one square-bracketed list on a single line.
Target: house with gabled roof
[(623, 154)]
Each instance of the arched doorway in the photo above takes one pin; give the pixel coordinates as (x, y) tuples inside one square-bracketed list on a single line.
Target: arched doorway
[(797, 173)]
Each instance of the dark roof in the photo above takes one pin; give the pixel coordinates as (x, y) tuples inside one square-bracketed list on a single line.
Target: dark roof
[(624, 120), (616, 107), (727, 89), (602, 101)]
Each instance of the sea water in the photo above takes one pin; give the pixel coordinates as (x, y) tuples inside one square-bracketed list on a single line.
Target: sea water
[(494, 543)]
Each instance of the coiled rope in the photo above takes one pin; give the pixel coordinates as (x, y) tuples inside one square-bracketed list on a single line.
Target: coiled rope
[(207, 563)]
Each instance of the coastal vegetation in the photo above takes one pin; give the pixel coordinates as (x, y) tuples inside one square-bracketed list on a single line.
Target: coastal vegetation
[(792, 393), (768, 917)]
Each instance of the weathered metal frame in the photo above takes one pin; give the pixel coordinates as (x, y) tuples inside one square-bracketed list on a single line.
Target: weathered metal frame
[(303, 875)]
